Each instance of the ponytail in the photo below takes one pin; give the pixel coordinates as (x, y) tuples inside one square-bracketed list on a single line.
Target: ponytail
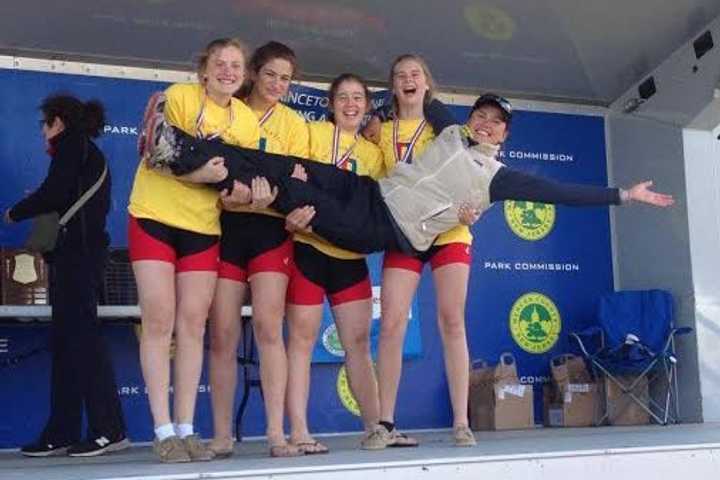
[(93, 118), (88, 117)]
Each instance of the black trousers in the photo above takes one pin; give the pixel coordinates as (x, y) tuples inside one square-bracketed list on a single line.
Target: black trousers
[(82, 376), (350, 210)]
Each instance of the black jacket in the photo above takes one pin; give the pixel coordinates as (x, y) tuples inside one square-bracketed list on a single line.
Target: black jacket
[(350, 210), (70, 174)]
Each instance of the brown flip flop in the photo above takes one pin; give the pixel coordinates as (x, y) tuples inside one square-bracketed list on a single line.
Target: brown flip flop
[(285, 450), (312, 447), (400, 440)]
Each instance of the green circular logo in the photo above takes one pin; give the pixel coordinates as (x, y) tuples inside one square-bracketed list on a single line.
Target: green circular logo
[(331, 341), (535, 322), (346, 396), (489, 22), (530, 220)]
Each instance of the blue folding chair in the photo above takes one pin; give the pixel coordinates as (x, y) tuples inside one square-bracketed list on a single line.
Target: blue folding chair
[(635, 337)]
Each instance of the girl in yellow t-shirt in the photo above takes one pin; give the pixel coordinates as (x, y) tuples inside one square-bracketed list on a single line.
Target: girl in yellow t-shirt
[(402, 140), (323, 270), (173, 240), (256, 251)]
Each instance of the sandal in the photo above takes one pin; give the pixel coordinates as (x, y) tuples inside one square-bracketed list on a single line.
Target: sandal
[(400, 440), (222, 449), (285, 450), (312, 447)]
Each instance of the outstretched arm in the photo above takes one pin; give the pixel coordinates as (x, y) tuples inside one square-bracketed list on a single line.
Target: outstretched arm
[(510, 184), (641, 192)]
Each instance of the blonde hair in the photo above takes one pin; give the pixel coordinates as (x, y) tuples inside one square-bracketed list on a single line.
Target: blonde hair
[(214, 46), (430, 94)]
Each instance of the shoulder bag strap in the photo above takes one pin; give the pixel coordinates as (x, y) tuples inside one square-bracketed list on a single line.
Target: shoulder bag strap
[(85, 196)]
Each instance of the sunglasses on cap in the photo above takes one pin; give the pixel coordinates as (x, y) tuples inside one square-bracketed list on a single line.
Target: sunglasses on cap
[(503, 103)]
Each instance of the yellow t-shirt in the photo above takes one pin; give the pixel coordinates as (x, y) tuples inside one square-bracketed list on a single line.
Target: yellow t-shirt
[(285, 132), (171, 201), (365, 159), (406, 130)]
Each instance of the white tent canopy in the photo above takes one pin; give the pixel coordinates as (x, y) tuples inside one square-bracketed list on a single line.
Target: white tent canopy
[(579, 51)]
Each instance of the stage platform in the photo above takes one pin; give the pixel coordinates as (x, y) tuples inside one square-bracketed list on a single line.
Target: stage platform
[(681, 452)]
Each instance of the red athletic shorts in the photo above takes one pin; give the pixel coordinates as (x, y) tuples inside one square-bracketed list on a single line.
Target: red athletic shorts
[(252, 243), (315, 275), (438, 256), (188, 251)]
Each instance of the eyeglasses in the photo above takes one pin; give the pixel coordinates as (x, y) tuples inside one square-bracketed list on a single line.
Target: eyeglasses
[(497, 99)]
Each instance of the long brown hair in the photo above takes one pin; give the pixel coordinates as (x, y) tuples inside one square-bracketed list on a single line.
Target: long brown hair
[(262, 55)]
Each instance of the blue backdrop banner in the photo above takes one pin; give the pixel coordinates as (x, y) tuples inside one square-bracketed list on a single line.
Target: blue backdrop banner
[(536, 273), (124, 101)]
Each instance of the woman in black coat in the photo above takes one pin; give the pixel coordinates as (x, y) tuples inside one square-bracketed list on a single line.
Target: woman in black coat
[(82, 374)]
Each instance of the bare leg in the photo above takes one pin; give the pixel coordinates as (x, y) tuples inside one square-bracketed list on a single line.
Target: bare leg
[(268, 300), (303, 325), (156, 291), (225, 334), (194, 295), (398, 287), (451, 283), (353, 320)]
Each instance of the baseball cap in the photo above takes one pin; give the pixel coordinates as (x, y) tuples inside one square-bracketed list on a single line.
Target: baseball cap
[(491, 99)]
